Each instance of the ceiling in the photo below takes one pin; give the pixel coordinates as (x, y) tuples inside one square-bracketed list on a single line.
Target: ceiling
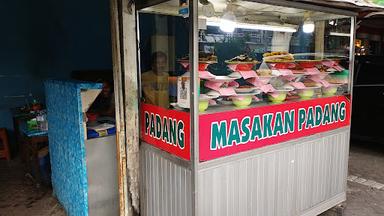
[(248, 11)]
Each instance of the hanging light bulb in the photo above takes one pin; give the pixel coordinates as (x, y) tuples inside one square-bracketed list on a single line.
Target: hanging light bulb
[(308, 25), (228, 22), (207, 8)]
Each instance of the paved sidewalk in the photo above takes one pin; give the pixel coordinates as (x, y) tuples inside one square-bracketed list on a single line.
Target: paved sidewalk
[(20, 197), (366, 161)]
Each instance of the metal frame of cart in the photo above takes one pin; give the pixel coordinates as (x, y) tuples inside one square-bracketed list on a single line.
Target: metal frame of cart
[(173, 186)]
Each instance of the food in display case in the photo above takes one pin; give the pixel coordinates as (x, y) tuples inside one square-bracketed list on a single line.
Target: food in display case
[(278, 96), (242, 101), (275, 57), (205, 59), (241, 63), (245, 89), (333, 64), (238, 85), (311, 83), (236, 75), (297, 69), (263, 53), (308, 90), (306, 93), (203, 105), (330, 90), (338, 77), (264, 72), (324, 69), (272, 81), (204, 101), (306, 63), (241, 59)]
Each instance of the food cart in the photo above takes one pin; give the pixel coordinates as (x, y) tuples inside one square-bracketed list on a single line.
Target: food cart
[(244, 106)]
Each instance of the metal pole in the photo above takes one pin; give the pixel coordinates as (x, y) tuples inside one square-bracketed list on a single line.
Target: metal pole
[(194, 84), (352, 53), (350, 87)]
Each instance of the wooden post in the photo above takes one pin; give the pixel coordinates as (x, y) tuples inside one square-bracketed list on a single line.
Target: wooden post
[(319, 38), (124, 53)]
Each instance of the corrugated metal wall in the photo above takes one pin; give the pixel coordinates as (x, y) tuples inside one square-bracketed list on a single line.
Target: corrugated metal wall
[(292, 179), (284, 182), (166, 185)]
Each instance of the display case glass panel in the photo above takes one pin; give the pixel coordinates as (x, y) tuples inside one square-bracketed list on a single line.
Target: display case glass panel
[(164, 79), (268, 54), (270, 74), (266, 73)]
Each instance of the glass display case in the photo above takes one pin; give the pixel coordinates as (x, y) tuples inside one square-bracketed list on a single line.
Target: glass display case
[(228, 86), (249, 55)]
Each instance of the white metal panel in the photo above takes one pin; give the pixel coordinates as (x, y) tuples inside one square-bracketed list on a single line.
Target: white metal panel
[(321, 169), (103, 190), (292, 180), (165, 185), (260, 185)]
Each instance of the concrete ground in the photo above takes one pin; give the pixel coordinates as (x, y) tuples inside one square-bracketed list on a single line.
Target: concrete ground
[(367, 163), (20, 197)]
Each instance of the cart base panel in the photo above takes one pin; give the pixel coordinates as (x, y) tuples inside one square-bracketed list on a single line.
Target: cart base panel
[(302, 177)]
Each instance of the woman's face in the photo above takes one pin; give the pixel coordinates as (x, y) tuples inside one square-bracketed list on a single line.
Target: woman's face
[(160, 64)]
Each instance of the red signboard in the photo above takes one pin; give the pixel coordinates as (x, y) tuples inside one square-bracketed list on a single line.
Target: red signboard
[(227, 133), (166, 129)]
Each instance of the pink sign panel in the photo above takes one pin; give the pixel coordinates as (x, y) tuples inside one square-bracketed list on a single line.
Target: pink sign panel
[(227, 133), (168, 130)]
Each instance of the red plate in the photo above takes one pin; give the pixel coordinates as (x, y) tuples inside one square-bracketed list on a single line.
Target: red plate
[(203, 66), (284, 65), (308, 64), (245, 67)]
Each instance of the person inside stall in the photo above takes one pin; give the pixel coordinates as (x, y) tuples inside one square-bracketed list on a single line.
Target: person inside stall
[(104, 104), (155, 82)]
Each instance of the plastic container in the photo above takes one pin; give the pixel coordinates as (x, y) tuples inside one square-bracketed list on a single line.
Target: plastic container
[(203, 105), (242, 101), (282, 95), (329, 91), (306, 94)]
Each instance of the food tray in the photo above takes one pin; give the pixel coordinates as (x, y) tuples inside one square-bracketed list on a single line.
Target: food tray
[(308, 63), (256, 92), (308, 88), (284, 90), (278, 61), (245, 90), (205, 97), (202, 64), (223, 79), (242, 62)]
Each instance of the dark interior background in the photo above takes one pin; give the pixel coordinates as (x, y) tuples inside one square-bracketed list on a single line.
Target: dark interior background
[(48, 39)]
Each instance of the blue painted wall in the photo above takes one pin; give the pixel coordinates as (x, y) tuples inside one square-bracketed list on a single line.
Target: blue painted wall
[(66, 144), (48, 39)]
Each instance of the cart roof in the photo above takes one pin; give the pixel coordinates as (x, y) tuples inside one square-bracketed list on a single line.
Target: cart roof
[(351, 5), (355, 5)]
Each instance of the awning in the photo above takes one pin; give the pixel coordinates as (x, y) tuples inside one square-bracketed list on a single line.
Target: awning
[(358, 6), (355, 5)]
